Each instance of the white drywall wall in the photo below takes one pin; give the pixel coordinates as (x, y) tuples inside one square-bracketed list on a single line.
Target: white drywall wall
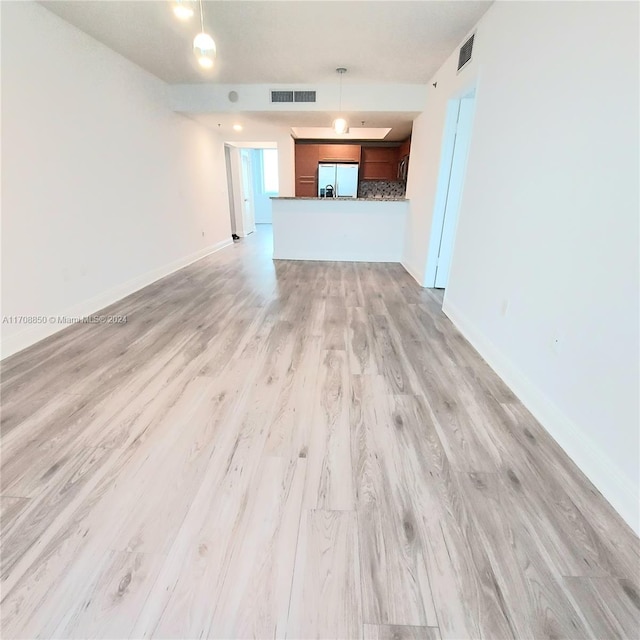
[(104, 187), (210, 97), (544, 279), (262, 135), (338, 229)]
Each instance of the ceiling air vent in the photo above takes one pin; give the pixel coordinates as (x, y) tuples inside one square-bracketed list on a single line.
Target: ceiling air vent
[(304, 96), (465, 52), (293, 96), (282, 96)]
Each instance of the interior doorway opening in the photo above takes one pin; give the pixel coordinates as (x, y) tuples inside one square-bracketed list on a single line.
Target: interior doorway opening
[(453, 163), (265, 181), (252, 180)]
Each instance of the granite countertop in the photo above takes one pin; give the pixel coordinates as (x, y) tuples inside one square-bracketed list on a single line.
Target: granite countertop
[(341, 199)]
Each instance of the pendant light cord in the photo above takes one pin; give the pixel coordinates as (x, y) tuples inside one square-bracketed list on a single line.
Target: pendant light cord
[(201, 17), (340, 99)]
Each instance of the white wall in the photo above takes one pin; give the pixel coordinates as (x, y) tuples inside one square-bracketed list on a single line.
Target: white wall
[(338, 229), (209, 97), (104, 188), (261, 135), (549, 222)]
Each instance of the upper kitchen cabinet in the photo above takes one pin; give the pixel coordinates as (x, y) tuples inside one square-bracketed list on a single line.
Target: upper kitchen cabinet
[(379, 163), (339, 152), (307, 158), (379, 154), (306, 163)]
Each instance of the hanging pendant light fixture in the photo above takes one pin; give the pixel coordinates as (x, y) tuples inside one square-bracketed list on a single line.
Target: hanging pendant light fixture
[(183, 9), (340, 125), (203, 45)]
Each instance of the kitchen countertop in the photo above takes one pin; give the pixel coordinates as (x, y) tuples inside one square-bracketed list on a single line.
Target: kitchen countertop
[(340, 199)]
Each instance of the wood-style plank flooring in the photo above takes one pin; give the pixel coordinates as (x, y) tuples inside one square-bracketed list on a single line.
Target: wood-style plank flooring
[(292, 450)]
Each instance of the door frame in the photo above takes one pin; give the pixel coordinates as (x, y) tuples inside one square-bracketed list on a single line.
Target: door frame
[(234, 150), (444, 176), (228, 162)]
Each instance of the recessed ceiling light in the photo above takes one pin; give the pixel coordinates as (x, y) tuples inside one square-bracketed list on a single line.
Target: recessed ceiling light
[(237, 127)]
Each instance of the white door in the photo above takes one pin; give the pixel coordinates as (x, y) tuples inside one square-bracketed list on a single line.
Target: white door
[(248, 213), (454, 190), (232, 211)]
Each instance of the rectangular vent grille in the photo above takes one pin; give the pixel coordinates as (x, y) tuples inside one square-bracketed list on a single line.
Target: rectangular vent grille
[(293, 96), (282, 96), (465, 53), (305, 96)]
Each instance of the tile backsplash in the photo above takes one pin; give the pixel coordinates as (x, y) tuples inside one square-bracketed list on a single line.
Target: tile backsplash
[(381, 189)]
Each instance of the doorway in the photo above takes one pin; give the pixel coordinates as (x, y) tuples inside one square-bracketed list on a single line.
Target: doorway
[(265, 182), (252, 179), (453, 162)]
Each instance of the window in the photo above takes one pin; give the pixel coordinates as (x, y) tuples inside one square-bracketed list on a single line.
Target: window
[(270, 170)]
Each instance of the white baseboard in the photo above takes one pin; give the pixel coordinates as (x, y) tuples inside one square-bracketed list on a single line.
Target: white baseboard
[(619, 490), (34, 333), (412, 273), (327, 256)]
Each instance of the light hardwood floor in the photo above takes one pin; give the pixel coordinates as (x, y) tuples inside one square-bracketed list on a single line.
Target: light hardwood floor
[(292, 450)]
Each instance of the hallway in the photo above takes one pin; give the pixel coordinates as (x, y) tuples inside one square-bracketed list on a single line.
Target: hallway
[(292, 449)]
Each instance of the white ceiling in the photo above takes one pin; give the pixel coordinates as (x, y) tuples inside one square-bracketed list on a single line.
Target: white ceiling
[(291, 41), (254, 122)]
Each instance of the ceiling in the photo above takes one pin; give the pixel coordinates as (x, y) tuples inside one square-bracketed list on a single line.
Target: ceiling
[(255, 121), (281, 42)]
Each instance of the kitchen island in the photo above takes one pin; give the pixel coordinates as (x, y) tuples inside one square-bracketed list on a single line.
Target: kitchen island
[(339, 229)]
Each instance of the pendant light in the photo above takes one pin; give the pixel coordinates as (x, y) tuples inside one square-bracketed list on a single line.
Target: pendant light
[(183, 9), (203, 45), (340, 125)]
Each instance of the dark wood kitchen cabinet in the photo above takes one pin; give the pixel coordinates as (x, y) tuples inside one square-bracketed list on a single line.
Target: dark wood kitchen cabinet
[(376, 162), (306, 164), (339, 152), (379, 163)]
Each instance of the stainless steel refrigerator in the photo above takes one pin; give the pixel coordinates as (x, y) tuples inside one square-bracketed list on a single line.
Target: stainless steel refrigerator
[(343, 177)]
